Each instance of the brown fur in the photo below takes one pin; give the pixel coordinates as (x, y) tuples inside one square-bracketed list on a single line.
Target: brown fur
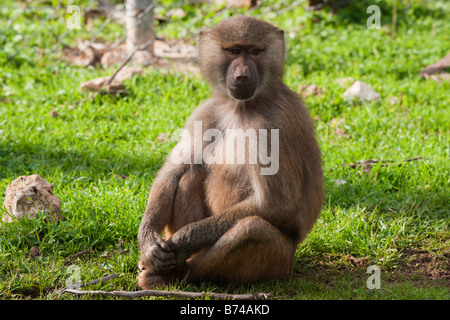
[(227, 222)]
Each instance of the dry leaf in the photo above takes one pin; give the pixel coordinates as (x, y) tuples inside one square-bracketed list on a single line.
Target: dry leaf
[(127, 72), (34, 252), (436, 71), (341, 132), (174, 49), (85, 54), (116, 56), (96, 84), (443, 76), (310, 90), (115, 86), (163, 137), (335, 122)]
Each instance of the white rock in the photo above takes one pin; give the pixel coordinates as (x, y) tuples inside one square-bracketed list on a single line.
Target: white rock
[(340, 182), (28, 195), (178, 13), (362, 91)]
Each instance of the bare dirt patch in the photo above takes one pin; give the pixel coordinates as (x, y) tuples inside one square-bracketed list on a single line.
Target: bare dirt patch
[(428, 265), (416, 266)]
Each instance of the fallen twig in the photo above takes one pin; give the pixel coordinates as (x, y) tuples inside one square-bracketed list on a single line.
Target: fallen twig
[(120, 246), (172, 294), (101, 280), (76, 286), (76, 255), (368, 164)]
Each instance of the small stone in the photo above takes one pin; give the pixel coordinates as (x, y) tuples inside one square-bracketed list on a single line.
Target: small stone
[(339, 182), (393, 100), (178, 13), (362, 91)]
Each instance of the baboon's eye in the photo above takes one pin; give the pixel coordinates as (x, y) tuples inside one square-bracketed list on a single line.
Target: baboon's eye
[(255, 52), (234, 51)]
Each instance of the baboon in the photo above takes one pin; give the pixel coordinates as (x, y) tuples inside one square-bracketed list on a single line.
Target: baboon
[(230, 222)]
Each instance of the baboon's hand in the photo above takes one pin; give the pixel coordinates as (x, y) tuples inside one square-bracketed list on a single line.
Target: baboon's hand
[(180, 259), (181, 254), (157, 258)]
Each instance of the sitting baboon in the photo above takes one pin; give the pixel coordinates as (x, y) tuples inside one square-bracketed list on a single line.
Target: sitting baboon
[(235, 221)]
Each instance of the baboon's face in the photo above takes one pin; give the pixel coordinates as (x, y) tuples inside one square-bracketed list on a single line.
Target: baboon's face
[(242, 57), (242, 76)]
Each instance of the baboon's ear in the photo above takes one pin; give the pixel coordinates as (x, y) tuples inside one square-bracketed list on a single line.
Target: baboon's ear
[(202, 33)]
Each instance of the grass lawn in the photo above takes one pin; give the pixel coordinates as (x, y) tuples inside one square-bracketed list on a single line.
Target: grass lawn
[(101, 152)]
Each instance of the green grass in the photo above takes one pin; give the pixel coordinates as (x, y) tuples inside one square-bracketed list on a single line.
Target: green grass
[(101, 153)]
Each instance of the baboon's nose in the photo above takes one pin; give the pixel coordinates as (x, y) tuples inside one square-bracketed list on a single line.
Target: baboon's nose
[(242, 74)]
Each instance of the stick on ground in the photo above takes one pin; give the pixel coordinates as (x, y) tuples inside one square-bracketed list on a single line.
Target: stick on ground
[(76, 255), (76, 286), (172, 294), (368, 164)]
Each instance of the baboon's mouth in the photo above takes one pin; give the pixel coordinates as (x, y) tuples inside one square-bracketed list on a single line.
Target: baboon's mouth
[(242, 92)]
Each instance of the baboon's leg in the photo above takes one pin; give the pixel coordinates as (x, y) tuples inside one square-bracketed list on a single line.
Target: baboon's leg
[(251, 250), (189, 206)]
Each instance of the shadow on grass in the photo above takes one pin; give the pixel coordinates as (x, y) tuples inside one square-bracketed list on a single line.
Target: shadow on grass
[(390, 193), (389, 190), (31, 158)]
